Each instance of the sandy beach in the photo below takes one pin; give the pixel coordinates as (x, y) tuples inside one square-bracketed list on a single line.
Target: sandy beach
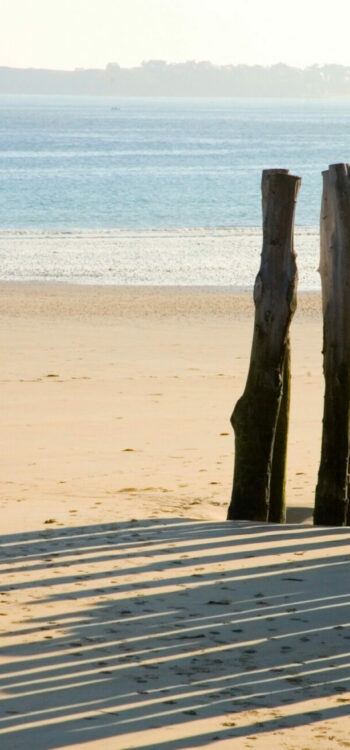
[(133, 614), (123, 396)]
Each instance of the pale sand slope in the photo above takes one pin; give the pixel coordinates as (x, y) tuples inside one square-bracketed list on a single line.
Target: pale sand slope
[(162, 632)]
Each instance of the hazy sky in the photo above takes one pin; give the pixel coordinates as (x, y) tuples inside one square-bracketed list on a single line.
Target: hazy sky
[(91, 33)]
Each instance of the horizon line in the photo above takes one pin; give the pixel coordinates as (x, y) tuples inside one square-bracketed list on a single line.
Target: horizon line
[(159, 62)]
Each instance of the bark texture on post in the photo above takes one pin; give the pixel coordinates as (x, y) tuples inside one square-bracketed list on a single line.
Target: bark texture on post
[(331, 500), (277, 507), (255, 416)]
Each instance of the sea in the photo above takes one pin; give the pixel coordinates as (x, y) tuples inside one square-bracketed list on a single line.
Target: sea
[(142, 191)]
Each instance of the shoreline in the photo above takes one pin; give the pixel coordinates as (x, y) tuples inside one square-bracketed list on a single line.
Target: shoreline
[(179, 257)]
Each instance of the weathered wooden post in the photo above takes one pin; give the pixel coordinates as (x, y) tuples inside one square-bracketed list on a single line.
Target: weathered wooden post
[(331, 500), (258, 411)]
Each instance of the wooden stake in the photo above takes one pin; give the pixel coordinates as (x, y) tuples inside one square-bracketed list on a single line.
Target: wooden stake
[(331, 500), (255, 416)]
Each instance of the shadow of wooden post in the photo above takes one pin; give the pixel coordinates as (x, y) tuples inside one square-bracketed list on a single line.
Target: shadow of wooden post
[(260, 417), (331, 498)]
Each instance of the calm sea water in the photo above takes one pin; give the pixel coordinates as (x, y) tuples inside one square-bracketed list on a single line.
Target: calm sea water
[(75, 173)]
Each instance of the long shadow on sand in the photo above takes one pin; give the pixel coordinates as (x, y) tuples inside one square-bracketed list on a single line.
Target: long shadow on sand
[(163, 623)]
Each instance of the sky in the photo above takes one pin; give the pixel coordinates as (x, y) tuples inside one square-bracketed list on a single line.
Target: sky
[(65, 34)]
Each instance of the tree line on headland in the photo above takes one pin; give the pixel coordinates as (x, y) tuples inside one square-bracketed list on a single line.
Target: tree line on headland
[(159, 78)]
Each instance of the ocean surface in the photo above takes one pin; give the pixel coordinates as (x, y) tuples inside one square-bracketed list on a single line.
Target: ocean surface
[(156, 191)]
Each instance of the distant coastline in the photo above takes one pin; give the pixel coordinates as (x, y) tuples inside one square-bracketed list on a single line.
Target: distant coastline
[(186, 79)]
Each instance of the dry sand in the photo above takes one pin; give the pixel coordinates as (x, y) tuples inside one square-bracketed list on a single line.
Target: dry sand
[(132, 614)]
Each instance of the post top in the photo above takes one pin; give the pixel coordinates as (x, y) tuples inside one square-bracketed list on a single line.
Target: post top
[(339, 164), (275, 171), (266, 173), (341, 167)]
